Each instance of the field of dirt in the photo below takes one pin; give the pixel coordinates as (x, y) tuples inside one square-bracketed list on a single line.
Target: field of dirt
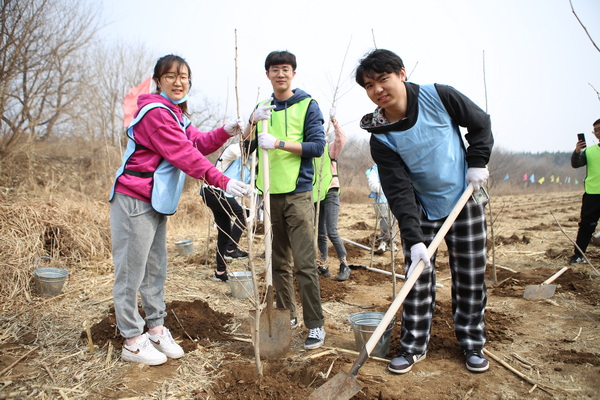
[(67, 347)]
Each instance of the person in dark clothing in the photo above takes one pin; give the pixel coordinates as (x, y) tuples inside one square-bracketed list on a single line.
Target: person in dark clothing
[(424, 169), (227, 211), (590, 203)]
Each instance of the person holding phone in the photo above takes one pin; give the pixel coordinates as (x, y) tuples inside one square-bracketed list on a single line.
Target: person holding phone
[(590, 203)]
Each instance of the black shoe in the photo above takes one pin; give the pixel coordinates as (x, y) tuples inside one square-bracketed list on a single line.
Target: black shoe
[(344, 272), (476, 361), (324, 271), (404, 361), (236, 253), (576, 260), (220, 277)]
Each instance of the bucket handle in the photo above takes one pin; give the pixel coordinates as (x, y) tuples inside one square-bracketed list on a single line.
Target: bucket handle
[(49, 258), (182, 237)]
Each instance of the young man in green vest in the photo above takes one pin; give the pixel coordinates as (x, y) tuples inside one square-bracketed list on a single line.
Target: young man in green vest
[(590, 204), (295, 136)]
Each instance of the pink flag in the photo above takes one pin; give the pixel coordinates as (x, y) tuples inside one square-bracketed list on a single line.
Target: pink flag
[(130, 101)]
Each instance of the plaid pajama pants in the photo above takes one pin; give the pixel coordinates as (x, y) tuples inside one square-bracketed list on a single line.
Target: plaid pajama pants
[(466, 242)]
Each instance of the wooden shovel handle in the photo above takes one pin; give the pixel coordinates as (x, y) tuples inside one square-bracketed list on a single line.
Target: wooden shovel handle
[(264, 159), (416, 271), (556, 275)]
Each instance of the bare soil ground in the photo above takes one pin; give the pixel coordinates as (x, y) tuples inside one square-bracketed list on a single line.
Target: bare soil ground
[(553, 344)]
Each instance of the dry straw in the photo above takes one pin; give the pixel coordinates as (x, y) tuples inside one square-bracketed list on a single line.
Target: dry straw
[(70, 228)]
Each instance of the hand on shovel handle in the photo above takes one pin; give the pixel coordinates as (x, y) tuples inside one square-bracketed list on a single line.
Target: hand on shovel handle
[(344, 385)]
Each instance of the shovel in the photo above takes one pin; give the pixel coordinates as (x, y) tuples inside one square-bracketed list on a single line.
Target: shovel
[(545, 290), (275, 335), (345, 385)]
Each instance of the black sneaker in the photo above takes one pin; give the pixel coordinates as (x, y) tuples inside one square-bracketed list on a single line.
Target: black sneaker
[(576, 260), (220, 277), (344, 272), (324, 271), (315, 338), (236, 253), (476, 361), (404, 361), (294, 323)]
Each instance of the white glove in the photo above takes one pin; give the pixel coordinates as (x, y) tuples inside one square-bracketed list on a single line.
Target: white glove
[(266, 141), (418, 252), (477, 176), (234, 128), (332, 113), (238, 188), (263, 111)]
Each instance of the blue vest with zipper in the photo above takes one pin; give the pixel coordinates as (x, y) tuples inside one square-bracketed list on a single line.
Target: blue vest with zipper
[(167, 180), (434, 155)]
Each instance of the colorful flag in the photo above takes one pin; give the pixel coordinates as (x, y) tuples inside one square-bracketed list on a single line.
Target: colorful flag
[(130, 101), (542, 180), (506, 177), (525, 177), (551, 178), (532, 178)]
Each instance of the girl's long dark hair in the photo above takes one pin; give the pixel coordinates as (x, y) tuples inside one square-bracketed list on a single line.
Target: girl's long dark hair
[(162, 67)]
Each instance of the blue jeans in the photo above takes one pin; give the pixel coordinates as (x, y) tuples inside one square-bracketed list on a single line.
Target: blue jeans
[(328, 219), (139, 249)]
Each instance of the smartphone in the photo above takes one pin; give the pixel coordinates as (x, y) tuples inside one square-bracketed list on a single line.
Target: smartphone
[(581, 137)]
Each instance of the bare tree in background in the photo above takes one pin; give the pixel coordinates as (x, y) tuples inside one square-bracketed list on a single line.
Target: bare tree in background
[(42, 60), (112, 71)]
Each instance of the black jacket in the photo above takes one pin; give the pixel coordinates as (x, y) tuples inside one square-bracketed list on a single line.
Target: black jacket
[(394, 178)]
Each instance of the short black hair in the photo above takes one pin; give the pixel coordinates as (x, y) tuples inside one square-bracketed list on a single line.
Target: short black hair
[(378, 61), (280, 57), (597, 122)]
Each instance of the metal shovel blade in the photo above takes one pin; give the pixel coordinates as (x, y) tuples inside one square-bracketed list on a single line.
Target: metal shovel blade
[(341, 386), (545, 290), (538, 292), (275, 334)]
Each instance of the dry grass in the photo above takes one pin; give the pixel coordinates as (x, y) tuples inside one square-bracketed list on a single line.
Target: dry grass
[(57, 207), (67, 227)]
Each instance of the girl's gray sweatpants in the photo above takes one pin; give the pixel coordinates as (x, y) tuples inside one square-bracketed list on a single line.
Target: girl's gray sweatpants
[(139, 249)]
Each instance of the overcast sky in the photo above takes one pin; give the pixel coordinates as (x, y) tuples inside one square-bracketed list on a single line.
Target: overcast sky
[(540, 65)]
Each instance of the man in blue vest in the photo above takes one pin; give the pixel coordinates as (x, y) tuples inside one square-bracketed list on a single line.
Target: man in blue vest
[(295, 136), (424, 168)]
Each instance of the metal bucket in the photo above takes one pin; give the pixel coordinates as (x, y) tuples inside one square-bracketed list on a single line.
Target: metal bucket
[(364, 324), (241, 284), (49, 281), (185, 247)]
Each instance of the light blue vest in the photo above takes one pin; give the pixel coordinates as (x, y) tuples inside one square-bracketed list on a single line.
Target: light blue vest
[(434, 155), (234, 171), (167, 182)]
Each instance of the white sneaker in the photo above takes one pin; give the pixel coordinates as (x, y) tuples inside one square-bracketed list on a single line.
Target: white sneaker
[(166, 345), (315, 338), (143, 352), (382, 247)]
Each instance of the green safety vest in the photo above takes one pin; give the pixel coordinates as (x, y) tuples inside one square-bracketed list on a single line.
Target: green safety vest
[(323, 176), (284, 167), (592, 175)]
